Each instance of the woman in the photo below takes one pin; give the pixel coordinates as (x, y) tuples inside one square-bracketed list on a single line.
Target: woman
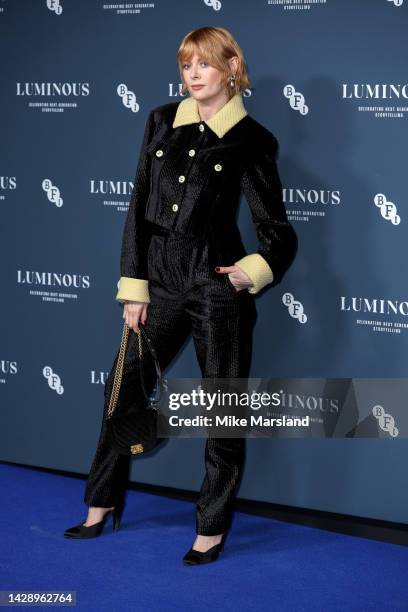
[(184, 268)]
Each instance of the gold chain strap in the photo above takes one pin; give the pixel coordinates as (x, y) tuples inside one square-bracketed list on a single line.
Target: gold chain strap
[(119, 368)]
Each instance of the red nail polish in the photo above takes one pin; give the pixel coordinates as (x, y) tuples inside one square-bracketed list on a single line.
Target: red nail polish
[(217, 269)]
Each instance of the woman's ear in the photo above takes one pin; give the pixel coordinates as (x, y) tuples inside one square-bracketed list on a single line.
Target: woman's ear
[(233, 63)]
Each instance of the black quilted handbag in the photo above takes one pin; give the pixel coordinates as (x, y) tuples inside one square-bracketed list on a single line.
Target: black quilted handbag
[(132, 418)]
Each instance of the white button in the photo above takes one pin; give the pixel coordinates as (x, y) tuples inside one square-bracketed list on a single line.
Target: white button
[(191, 152), (159, 153), (182, 178), (218, 167), (174, 207), (201, 127)]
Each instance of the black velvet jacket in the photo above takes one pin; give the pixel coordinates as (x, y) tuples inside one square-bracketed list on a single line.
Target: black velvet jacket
[(189, 179)]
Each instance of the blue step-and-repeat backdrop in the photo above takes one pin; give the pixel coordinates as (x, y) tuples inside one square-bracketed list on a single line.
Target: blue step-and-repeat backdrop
[(329, 79)]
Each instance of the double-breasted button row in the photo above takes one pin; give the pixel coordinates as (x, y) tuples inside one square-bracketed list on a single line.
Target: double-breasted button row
[(159, 153), (191, 153), (182, 178)]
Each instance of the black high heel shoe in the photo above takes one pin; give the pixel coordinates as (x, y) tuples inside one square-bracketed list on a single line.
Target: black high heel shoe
[(195, 557), (93, 531)]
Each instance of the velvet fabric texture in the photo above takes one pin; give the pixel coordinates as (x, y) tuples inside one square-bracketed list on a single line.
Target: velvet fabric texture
[(187, 298), (180, 225), (189, 181)]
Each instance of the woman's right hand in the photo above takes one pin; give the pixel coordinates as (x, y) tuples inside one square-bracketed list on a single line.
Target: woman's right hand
[(133, 312)]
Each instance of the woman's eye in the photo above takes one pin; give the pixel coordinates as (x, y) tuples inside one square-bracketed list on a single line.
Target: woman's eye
[(185, 66)]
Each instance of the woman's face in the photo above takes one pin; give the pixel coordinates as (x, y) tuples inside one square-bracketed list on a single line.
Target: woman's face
[(198, 72)]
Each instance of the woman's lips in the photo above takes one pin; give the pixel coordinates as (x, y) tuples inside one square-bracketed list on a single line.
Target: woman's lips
[(197, 86)]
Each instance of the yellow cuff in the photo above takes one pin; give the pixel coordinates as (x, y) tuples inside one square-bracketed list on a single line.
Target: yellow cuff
[(133, 289), (257, 269)]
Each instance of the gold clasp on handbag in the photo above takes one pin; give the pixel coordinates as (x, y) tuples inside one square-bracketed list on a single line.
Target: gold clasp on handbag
[(136, 448)]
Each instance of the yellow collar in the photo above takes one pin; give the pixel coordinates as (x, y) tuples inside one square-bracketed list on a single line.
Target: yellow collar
[(223, 120)]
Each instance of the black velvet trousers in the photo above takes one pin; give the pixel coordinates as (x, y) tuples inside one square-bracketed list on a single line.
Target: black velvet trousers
[(187, 297)]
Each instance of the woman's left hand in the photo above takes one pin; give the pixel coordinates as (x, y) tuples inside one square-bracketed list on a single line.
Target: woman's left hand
[(238, 277)]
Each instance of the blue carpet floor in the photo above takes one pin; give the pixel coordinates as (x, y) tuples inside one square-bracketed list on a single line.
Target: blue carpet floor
[(267, 565)]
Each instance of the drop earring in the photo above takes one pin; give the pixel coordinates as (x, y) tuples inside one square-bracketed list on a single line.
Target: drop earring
[(232, 80)]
